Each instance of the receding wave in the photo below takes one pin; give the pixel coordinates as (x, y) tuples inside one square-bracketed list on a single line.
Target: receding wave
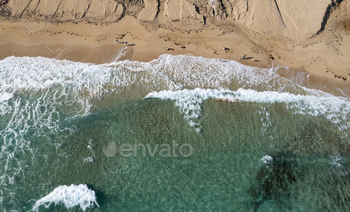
[(26, 74)]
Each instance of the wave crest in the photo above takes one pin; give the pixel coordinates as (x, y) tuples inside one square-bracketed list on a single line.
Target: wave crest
[(335, 109), (69, 196)]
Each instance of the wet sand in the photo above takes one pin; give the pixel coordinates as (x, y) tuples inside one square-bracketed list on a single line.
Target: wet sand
[(97, 44)]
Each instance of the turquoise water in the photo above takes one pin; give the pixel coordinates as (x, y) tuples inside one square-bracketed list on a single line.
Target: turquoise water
[(259, 142)]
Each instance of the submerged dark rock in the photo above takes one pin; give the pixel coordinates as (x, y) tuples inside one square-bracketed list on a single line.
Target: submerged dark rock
[(315, 145), (272, 181)]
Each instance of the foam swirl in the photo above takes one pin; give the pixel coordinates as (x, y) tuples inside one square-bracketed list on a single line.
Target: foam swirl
[(69, 196)]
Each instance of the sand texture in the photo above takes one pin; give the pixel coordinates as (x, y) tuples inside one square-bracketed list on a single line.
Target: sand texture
[(306, 34)]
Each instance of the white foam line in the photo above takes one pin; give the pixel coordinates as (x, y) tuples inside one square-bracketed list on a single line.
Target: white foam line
[(36, 74), (336, 109), (169, 72), (122, 53), (341, 91), (192, 72)]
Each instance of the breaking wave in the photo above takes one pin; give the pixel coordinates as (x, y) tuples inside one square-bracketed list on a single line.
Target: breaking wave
[(69, 196), (335, 109), (38, 94)]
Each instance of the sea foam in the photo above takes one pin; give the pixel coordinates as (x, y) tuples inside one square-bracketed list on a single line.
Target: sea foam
[(37, 93), (335, 109), (69, 196), (60, 85), (199, 72), (266, 159)]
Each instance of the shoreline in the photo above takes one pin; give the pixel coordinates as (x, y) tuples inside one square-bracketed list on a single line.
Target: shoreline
[(90, 43)]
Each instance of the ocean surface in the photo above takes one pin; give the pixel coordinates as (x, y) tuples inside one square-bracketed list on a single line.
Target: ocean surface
[(180, 133)]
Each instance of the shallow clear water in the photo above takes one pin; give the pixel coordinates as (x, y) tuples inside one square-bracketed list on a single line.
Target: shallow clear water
[(259, 141)]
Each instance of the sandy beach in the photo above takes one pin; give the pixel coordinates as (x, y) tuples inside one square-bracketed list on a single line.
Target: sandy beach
[(324, 56), (174, 105)]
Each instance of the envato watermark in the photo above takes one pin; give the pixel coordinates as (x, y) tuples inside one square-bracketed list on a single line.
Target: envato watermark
[(128, 150)]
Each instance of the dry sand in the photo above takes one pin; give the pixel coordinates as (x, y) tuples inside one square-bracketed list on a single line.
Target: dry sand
[(74, 41), (273, 34)]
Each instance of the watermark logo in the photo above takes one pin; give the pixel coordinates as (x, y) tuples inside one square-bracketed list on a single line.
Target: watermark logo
[(162, 150), (110, 150)]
